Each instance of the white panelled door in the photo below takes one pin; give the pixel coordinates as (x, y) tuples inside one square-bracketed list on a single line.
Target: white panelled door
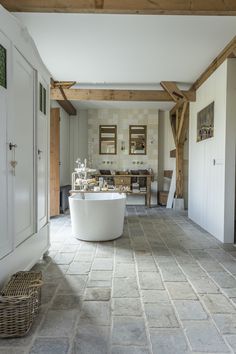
[(22, 149), (42, 152), (5, 238)]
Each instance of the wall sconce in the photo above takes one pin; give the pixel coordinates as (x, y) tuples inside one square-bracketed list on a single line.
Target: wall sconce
[(122, 146)]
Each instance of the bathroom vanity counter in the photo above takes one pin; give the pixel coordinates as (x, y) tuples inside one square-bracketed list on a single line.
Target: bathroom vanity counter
[(125, 181)]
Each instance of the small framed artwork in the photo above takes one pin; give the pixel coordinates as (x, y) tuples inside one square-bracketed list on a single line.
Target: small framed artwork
[(205, 123)]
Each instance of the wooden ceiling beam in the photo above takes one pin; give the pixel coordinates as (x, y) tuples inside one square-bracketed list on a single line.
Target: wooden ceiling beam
[(64, 102), (117, 95), (175, 93), (160, 7), (224, 54), (63, 84), (68, 107)]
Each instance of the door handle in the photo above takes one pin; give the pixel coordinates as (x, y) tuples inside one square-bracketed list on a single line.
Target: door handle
[(12, 146)]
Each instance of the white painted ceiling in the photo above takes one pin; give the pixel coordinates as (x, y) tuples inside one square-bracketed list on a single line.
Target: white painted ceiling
[(128, 50), (165, 106)]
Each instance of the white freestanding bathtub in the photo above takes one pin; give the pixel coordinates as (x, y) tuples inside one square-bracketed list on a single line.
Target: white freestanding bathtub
[(97, 216)]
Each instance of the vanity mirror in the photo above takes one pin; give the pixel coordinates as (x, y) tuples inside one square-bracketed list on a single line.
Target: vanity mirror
[(107, 139), (137, 139)]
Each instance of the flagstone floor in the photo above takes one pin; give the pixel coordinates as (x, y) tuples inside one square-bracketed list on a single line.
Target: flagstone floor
[(165, 287)]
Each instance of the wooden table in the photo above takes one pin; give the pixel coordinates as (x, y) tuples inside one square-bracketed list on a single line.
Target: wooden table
[(147, 194)]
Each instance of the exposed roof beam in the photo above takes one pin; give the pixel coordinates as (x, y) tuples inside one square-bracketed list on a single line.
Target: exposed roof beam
[(64, 102), (173, 91), (224, 54), (68, 107), (117, 95), (160, 7), (63, 84)]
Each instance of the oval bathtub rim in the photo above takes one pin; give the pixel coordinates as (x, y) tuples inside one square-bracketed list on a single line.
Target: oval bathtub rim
[(79, 197)]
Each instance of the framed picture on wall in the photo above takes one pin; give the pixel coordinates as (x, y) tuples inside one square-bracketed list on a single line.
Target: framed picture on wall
[(205, 123)]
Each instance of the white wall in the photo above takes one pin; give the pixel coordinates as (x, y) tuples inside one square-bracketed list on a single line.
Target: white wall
[(123, 118), (211, 186), (230, 152), (78, 137)]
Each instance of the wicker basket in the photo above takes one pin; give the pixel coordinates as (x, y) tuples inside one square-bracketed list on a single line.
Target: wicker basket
[(19, 303)]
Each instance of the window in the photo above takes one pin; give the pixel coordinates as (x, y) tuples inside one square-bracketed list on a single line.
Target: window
[(3, 67), (42, 99)]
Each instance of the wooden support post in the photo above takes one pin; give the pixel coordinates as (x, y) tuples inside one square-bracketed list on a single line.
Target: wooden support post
[(179, 170)]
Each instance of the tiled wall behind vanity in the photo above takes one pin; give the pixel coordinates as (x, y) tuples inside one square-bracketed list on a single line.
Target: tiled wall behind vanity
[(123, 118)]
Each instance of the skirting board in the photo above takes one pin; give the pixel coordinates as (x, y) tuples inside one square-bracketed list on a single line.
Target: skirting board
[(25, 255)]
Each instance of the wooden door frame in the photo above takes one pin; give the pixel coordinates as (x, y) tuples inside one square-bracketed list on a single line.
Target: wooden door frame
[(55, 204)]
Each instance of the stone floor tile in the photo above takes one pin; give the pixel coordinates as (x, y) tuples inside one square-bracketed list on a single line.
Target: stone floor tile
[(125, 287), (129, 331), (217, 303), (126, 307), (91, 339), (211, 265), (99, 283), (180, 291), (47, 292), (224, 280), (154, 296), (14, 350), (229, 292), (193, 271), (58, 323), (79, 268), (69, 248), (124, 270), (171, 272), (230, 265), (64, 258), (204, 337), (97, 294), (190, 310), (50, 346), (150, 281), (231, 340), (146, 266), (154, 239), (117, 349), (102, 264), (96, 312), (225, 323), (84, 257), (66, 302), (160, 315), (204, 286), (54, 272), (73, 284), (168, 341), (100, 275)]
